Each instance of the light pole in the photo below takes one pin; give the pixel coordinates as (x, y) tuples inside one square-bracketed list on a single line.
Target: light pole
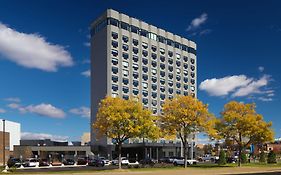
[(4, 147)]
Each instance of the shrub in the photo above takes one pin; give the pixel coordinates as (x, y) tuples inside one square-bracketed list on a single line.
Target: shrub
[(222, 158), (244, 158), (271, 157), (262, 157)]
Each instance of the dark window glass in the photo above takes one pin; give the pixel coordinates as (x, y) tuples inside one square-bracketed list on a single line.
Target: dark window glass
[(145, 93), (192, 60), (114, 53), (144, 69), (114, 44), (125, 39), (178, 63), (134, 29), (170, 42), (162, 66), (185, 65), (185, 87), (125, 81), (162, 96), (144, 61), (192, 81), (154, 86), (153, 48), (185, 93), (170, 68), (135, 42), (126, 97), (135, 50), (170, 61), (125, 56), (114, 61), (170, 76), (154, 79), (135, 58), (125, 89), (115, 70), (178, 85), (192, 74), (162, 58), (161, 39), (170, 97), (113, 22), (162, 73), (114, 87), (114, 79), (154, 94), (145, 101), (178, 91), (125, 47), (135, 67), (144, 33), (154, 56), (125, 26), (192, 50), (192, 67), (170, 53), (135, 83), (185, 58), (170, 83), (162, 81), (171, 90), (185, 79), (162, 89), (177, 45), (135, 75), (114, 35), (144, 53), (184, 47), (144, 77), (135, 91), (154, 63), (178, 78)]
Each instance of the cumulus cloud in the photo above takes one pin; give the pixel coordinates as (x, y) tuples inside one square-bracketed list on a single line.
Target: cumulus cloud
[(197, 22), (261, 68), (239, 86), (82, 111), (2, 111), (13, 99), (42, 109), (86, 73), (223, 86), (32, 50), (87, 44), (41, 136)]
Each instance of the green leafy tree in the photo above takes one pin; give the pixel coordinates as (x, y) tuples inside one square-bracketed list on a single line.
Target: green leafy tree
[(222, 158), (241, 123), (262, 157), (244, 158), (186, 115), (271, 157), (121, 119)]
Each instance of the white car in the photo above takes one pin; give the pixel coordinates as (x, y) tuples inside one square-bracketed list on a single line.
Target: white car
[(181, 162), (31, 162), (211, 158), (105, 161), (124, 161), (133, 163)]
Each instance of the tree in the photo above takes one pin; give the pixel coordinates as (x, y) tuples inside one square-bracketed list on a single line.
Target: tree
[(244, 158), (222, 158), (185, 115), (208, 149), (241, 123), (121, 119), (271, 157)]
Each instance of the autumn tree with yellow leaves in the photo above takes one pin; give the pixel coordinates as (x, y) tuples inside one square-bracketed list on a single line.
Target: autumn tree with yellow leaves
[(241, 123), (121, 119), (185, 115)]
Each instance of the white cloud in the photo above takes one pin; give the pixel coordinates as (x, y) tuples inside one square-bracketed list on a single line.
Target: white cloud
[(82, 111), (197, 22), (13, 99), (87, 44), (261, 68), (2, 111), (42, 109), (34, 136), (265, 99), (252, 88), (86, 73), (32, 50), (224, 86)]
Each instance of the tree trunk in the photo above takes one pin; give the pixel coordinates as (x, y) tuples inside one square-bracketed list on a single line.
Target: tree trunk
[(185, 154), (119, 155), (240, 156)]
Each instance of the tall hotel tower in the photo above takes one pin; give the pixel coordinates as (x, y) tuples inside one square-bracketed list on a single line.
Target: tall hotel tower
[(132, 58)]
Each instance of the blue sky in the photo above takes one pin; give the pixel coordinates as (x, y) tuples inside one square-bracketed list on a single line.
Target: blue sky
[(44, 57)]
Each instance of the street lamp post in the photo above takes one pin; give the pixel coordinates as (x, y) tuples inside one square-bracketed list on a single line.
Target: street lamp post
[(4, 147)]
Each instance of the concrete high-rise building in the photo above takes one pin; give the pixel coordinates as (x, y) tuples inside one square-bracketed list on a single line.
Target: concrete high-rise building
[(132, 58)]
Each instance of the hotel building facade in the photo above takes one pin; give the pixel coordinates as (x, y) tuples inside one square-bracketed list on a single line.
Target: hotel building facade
[(130, 58)]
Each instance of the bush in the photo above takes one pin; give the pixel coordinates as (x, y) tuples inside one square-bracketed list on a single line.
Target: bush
[(271, 157), (222, 158), (244, 158), (262, 157)]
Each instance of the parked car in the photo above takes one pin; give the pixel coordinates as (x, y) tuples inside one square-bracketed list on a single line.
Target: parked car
[(96, 162), (124, 161), (43, 162), (148, 161), (81, 161), (210, 158), (56, 163), (180, 161), (106, 162), (231, 160), (31, 162), (133, 163), (165, 160), (14, 162), (68, 162)]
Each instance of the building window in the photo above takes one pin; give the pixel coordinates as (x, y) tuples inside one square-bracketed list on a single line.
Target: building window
[(154, 56), (162, 96), (161, 39), (144, 53), (185, 58), (135, 83), (145, 101), (114, 79), (162, 66), (192, 61), (153, 48), (125, 81), (185, 79), (170, 53), (135, 91), (154, 102), (170, 42), (114, 52), (154, 71), (125, 64), (154, 63), (192, 81), (114, 61), (171, 90), (178, 78), (162, 73), (170, 68), (114, 70), (185, 86), (170, 83), (114, 87), (114, 35), (154, 87), (135, 75), (185, 93), (170, 76), (135, 50), (144, 61), (178, 71), (177, 45), (178, 92), (135, 29), (178, 85), (135, 67), (114, 44), (125, 89), (154, 94), (162, 51), (125, 47), (125, 56), (192, 67), (135, 42), (185, 65), (143, 33), (184, 47), (162, 58), (126, 97), (135, 58), (144, 69), (192, 74), (144, 45), (178, 56), (125, 26), (192, 88), (154, 79), (170, 97), (162, 89), (185, 72), (113, 22), (152, 36), (144, 85), (114, 95), (144, 77), (145, 93), (125, 39), (170, 61), (125, 73), (162, 81), (178, 63)]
